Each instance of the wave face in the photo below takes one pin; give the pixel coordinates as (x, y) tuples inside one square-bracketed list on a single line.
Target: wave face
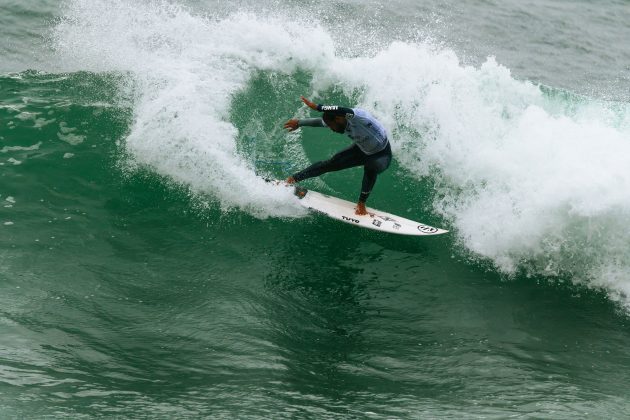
[(531, 178)]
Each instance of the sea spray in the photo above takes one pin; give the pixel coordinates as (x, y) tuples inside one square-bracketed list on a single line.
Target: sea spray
[(527, 178), (526, 183), (185, 70)]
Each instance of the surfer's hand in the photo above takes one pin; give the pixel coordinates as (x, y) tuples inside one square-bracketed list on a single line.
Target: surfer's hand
[(309, 103), (361, 210), (291, 125)]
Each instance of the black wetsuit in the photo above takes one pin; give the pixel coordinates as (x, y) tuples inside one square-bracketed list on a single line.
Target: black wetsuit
[(371, 148)]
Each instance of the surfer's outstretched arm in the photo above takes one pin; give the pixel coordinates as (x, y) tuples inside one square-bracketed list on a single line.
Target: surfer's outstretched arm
[(294, 123), (311, 122)]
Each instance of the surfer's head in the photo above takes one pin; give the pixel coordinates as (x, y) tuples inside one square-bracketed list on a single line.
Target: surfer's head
[(336, 123)]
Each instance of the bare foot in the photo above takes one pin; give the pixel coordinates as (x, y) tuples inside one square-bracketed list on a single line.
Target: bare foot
[(290, 180), (361, 210)]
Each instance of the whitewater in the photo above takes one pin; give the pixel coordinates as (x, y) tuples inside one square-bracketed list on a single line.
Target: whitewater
[(531, 178)]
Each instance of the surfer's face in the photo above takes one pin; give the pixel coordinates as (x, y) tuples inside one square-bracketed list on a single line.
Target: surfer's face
[(338, 125)]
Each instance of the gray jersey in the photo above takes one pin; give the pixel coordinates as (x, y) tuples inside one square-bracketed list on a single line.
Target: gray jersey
[(364, 130)]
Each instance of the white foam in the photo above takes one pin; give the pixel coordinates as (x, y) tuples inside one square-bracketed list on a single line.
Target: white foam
[(528, 181), (185, 70), (72, 139), (6, 149)]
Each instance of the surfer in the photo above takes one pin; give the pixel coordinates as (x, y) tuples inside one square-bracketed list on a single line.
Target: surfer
[(370, 147)]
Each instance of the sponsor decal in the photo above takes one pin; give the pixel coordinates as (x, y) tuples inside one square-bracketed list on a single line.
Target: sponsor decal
[(350, 219), (349, 116), (385, 218), (397, 226), (427, 229), (376, 223), (329, 107)]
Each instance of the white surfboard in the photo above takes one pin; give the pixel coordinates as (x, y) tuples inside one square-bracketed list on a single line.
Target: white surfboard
[(343, 210)]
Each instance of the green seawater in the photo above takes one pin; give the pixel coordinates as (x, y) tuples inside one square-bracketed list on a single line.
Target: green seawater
[(127, 293)]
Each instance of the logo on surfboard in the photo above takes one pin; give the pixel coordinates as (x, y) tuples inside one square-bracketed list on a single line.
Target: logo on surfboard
[(427, 229)]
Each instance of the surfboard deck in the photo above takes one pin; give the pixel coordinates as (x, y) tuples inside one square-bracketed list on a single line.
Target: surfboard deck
[(343, 210)]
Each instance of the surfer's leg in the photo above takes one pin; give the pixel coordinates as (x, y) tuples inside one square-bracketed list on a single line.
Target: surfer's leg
[(375, 165), (347, 158)]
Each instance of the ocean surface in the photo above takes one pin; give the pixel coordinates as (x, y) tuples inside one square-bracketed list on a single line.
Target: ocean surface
[(148, 271)]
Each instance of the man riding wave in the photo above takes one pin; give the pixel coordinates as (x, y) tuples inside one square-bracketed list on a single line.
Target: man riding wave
[(370, 147)]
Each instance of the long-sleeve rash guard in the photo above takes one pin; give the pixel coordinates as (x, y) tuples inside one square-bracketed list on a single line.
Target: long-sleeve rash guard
[(370, 149), (364, 130)]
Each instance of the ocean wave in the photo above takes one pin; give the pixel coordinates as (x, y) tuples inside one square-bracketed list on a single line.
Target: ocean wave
[(531, 178)]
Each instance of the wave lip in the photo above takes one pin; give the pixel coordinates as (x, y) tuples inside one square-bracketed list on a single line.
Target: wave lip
[(184, 70), (531, 178)]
